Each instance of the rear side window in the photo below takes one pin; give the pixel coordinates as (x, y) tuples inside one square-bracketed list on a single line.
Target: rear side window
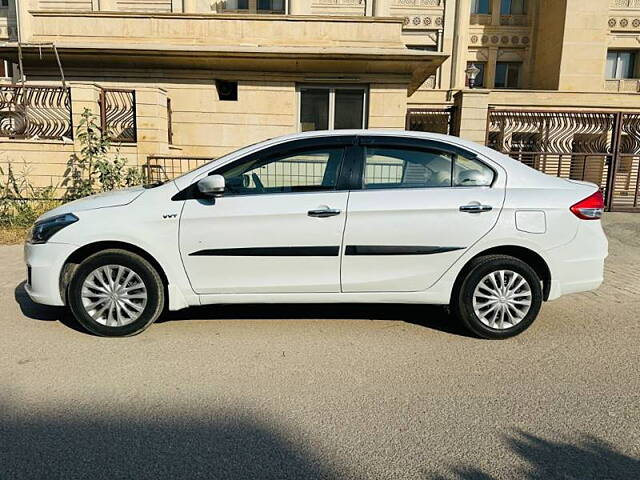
[(395, 167), (471, 173)]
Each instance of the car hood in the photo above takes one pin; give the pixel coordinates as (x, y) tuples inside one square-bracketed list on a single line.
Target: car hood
[(115, 198)]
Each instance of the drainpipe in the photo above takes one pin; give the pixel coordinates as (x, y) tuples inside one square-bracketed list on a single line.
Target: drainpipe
[(17, 11)]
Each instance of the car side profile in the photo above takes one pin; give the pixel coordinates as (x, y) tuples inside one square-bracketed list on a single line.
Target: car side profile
[(331, 216)]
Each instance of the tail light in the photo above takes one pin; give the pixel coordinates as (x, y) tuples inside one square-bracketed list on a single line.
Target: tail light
[(590, 208)]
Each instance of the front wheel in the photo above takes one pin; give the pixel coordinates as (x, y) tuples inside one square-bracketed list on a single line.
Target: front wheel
[(116, 293), (499, 297)]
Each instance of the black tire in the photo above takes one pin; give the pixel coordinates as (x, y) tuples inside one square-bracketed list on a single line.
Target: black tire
[(462, 297), (147, 273)]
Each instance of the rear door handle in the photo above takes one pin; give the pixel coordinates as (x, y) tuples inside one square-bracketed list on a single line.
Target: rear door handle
[(475, 208), (324, 212)]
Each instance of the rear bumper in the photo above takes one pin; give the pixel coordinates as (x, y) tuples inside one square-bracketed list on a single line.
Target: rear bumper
[(579, 265), (44, 264)]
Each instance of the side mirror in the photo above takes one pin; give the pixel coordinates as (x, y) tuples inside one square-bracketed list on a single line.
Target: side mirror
[(212, 186)]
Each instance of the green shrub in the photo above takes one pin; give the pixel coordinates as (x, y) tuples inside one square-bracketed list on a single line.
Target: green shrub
[(21, 203), (96, 168)]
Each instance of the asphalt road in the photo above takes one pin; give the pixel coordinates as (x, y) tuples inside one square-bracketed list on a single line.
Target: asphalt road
[(302, 392)]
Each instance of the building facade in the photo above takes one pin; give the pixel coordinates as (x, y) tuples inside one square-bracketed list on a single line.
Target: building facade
[(180, 81)]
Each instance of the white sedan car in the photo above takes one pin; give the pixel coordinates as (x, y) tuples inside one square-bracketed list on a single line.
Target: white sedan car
[(341, 216)]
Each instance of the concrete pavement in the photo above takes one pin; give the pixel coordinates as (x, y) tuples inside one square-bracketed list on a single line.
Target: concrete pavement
[(369, 391)]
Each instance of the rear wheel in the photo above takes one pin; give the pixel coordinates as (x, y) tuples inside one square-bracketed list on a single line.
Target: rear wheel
[(499, 297), (116, 293)]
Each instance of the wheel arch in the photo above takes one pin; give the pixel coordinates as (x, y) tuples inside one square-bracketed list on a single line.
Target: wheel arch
[(530, 257), (84, 252)]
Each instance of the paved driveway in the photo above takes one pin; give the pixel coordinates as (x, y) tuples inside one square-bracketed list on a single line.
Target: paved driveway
[(314, 391)]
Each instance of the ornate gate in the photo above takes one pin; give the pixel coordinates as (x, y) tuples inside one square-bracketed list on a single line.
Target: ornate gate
[(598, 146)]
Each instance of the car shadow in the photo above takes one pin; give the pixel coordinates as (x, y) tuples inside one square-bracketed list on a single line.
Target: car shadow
[(44, 313), (427, 316)]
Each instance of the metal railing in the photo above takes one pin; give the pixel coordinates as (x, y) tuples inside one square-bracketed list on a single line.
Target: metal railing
[(118, 114), (602, 147), (35, 112), (436, 120), (160, 168)]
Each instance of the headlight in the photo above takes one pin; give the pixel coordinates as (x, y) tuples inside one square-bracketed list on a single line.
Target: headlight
[(45, 229)]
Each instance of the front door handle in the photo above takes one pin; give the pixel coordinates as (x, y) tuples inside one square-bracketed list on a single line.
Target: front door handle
[(324, 212), (476, 208)]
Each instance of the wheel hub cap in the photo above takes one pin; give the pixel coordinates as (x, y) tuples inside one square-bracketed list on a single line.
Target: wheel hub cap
[(502, 299), (114, 295)]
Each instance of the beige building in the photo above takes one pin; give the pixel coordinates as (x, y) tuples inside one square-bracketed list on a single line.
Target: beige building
[(180, 81)]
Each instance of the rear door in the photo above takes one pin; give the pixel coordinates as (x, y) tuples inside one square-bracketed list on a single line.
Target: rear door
[(419, 205)]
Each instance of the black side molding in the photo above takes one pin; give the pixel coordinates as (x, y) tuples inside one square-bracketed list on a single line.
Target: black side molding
[(269, 252), (397, 250)]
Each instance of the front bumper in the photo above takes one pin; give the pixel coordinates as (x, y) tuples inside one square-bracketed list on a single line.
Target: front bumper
[(44, 265)]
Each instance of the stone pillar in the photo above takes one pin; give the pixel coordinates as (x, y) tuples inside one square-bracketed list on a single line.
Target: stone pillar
[(381, 8), (368, 8), (495, 12), (83, 96), (151, 122), (299, 7), (446, 46), (177, 6), (387, 106), (490, 72), (471, 114), (460, 41)]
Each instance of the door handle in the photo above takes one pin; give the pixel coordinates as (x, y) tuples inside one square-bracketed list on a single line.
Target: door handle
[(475, 208), (324, 212)]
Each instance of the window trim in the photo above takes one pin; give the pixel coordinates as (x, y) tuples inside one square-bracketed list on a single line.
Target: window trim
[(357, 177), (343, 182), (332, 102)]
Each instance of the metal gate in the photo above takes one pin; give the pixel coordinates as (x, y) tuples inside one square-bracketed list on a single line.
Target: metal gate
[(436, 120), (601, 147)]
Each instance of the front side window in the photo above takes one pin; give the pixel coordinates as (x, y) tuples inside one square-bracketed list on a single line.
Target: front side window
[(620, 64), (481, 7), (394, 167), (304, 171), (507, 75), (513, 7), (329, 108)]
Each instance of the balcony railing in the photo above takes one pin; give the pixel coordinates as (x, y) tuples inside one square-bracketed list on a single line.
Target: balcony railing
[(118, 114), (630, 85), (516, 20), (35, 112), (480, 19)]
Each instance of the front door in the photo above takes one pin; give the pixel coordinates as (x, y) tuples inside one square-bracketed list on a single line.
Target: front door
[(277, 228), (416, 212)]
